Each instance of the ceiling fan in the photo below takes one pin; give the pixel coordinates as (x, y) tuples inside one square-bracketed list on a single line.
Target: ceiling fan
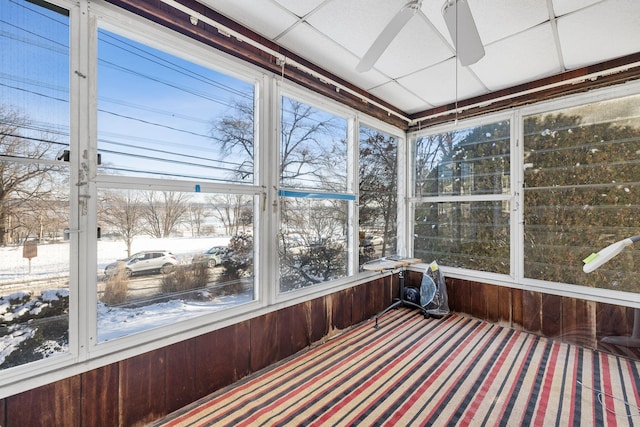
[(459, 22)]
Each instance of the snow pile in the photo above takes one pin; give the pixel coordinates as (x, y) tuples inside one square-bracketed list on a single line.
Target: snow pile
[(34, 324), (41, 324)]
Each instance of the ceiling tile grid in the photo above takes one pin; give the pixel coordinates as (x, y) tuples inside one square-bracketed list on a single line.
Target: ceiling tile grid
[(524, 40)]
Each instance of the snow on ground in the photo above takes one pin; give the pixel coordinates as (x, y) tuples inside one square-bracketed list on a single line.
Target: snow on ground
[(118, 322), (113, 322), (53, 259)]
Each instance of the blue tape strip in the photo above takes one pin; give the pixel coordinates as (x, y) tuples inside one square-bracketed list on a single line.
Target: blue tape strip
[(311, 195)]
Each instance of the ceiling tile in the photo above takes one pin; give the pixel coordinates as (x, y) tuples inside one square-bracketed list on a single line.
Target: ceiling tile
[(444, 83), (524, 57), (397, 95), (416, 47), (309, 43), (495, 19), (414, 73), (604, 31), (354, 24), (562, 7), (301, 7), (262, 16)]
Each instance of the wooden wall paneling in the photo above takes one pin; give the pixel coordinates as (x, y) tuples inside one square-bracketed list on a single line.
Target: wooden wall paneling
[(293, 330), (586, 314), (394, 286), (382, 295), (55, 404), (492, 295), (478, 301), (264, 341), (504, 305), (319, 319), (180, 375), (359, 302), (100, 388), (532, 311), (341, 305), (615, 321), (551, 315), (612, 320), (222, 357), (579, 322), (462, 292), (371, 291), (571, 327), (452, 293), (3, 412), (374, 302), (142, 388), (517, 312), (412, 278)]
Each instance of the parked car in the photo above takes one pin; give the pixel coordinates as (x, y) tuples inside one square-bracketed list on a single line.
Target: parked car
[(143, 263), (213, 257), (370, 239)]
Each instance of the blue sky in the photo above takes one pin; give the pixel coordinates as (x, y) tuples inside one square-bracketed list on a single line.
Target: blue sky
[(34, 71), (146, 98)]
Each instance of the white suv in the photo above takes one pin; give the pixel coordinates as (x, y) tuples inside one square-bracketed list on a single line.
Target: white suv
[(144, 262)]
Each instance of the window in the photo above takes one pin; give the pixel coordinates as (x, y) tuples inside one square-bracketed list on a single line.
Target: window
[(167, 256), (462, 197), (34, 183), (315, 203), (582, 192), (175, 207), (164, 117), (378, 194)]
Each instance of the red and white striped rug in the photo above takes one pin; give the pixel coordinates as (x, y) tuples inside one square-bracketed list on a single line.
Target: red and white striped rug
[(412, 371)]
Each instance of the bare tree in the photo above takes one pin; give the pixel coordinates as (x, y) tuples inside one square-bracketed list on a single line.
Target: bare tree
[(378, 189), (123, 212), (301, 152), (197, 215), (163, 212), (24, 180), (233, 211), (235, 135)]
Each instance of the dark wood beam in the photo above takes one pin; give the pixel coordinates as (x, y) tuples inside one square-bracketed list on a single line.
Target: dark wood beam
[(536, 91), (515, 96), (167, 16)]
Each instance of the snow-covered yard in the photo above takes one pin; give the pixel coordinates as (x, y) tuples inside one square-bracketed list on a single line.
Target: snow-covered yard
[(22, 307), (53, 259)]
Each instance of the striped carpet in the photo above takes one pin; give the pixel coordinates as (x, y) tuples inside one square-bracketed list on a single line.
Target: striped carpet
[(412, 371)]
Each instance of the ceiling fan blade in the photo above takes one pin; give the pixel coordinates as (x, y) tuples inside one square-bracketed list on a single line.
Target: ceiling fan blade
[(464, 33), (387, 35)]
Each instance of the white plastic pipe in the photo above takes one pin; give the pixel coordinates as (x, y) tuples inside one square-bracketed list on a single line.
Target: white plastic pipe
[(594, 261)]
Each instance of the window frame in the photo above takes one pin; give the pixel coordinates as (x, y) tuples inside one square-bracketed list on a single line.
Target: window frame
[(403, 180), (516, 277), (110, 18), (84, 354), (290, 90), (565, 289), (511, 197), (14, 377)]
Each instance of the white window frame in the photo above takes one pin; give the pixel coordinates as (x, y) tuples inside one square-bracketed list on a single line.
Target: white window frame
[(575, 291), (156, 36), (84, 352), (403, 180), (287, 89), (511, 197), (516, 277)]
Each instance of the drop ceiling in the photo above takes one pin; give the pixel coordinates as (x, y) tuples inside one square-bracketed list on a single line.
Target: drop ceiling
[(524, 40)]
